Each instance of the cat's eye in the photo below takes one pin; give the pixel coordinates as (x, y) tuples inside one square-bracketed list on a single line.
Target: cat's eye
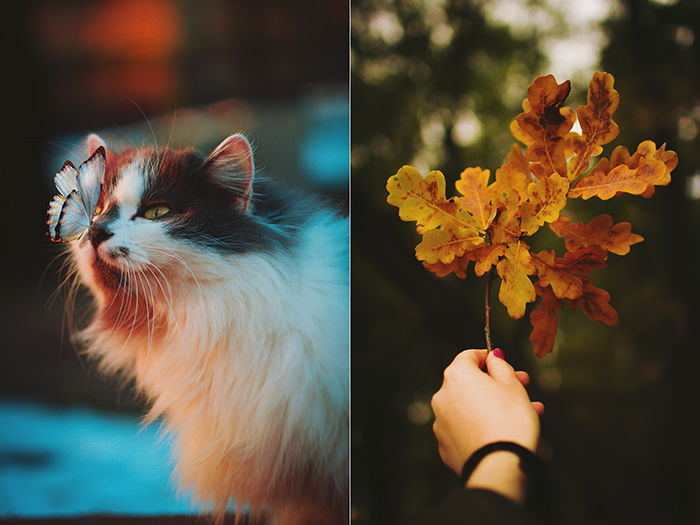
[(155, 212)]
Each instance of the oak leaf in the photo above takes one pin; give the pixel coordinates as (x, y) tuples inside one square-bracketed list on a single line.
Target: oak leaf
[(564, 283), (546, 198), (595, 303), (544, 321), (505, 228), (509, 179), (516, 287), (485, 257), (423, 199), (583, 261), (473, 185), (600, 231), (597, 124), (545, 125), (621, 178), (458, 266), (445, 244)]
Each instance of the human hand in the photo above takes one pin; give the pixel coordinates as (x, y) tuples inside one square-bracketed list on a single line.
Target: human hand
[(474, 408)]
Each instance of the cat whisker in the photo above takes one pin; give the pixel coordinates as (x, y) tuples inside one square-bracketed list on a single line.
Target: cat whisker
[(167, 297)]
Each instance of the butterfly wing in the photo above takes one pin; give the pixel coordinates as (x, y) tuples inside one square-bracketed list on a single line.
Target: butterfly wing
[(66, 179), (54, 214), (90, 175), (70, 212), (72, 220)]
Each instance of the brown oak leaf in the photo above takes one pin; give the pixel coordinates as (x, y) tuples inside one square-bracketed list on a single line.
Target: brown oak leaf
[(544, 321)]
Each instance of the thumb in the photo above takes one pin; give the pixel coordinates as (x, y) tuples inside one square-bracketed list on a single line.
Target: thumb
[(499, 369)]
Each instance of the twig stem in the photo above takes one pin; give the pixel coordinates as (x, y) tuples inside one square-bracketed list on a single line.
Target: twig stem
[(487, 311)]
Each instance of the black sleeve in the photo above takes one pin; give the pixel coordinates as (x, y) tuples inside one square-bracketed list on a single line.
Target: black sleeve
[(477, 507)]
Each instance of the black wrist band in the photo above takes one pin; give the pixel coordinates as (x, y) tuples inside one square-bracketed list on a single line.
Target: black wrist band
[(528, 460), (538, 488)]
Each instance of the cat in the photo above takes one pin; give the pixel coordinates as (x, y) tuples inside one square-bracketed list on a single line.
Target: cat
[(226, 299)]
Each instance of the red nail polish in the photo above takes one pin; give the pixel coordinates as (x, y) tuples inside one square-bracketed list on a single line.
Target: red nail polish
[(498, 353)]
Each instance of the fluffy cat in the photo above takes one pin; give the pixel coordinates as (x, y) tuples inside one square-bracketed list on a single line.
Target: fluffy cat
[(227, 302)]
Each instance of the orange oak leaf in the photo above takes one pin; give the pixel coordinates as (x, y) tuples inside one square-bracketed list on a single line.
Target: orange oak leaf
[(516, 287), (621, 178), (599, 232), (509, 179), (564, 283), (595, 303), (447, 243), (546, 198), (544, 321), (544, 126), (597, 124), (458, 266), (485, 257), (473, 185), (647, 151), (423, 199), (517, 159)]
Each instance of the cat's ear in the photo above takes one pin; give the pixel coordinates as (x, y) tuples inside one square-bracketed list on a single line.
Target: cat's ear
[(231, 166), (94, 141)]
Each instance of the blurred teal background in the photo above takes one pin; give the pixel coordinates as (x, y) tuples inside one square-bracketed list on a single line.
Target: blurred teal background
[(435, 85)]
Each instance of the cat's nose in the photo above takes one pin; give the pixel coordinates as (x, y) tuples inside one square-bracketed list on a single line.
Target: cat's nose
[(98, 234)]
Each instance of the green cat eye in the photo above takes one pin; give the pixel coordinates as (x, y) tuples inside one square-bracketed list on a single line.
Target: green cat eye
[(155, 212)]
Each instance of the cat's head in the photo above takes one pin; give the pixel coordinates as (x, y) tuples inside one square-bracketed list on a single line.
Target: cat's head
[(164, 215)]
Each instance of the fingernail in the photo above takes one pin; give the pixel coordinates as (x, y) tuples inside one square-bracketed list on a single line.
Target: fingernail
[(498, 353)]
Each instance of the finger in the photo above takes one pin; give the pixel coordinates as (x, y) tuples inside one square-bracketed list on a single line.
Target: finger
[(499, 369), (473, 357), (523, 377), (539, 407)]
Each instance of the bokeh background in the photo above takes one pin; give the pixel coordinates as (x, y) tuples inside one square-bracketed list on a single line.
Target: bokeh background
[(137, 72), (435, 84)]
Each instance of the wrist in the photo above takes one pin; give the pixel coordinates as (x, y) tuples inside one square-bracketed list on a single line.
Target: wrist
[(500, 472)]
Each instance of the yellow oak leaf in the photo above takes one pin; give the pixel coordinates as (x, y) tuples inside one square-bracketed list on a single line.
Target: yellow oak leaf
[(423, 199), (544, 321), (473, 185), (509, 179), (621, 178), (445, 244), (505, 228), (599, 232), (516, 287), (563, 282), (595, 303), (546, 198)]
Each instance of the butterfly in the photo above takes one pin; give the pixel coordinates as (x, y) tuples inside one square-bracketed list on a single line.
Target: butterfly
[(71, 211)]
